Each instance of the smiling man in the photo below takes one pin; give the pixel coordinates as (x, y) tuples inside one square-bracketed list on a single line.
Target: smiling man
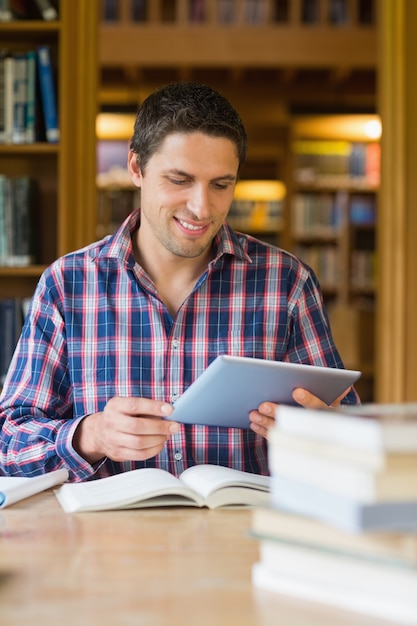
[(118, 330)]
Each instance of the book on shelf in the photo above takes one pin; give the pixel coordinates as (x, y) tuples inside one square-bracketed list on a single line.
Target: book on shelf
[(32, 102), (47, 10), (20, 81), (345, 581), (6, 96), (17, 214), (16, 488), (336, 162), (269, 525), (226, 12), (197, 11), (48, 93), (343, 512), (11, 321), (6, 14), (255, 12), (211, 486), (21, 107)]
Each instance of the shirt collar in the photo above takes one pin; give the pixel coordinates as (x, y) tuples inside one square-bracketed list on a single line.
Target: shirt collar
[(119, 245)]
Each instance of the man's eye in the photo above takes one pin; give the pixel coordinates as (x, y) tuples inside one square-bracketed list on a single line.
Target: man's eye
[(177, 181), (221, 185)]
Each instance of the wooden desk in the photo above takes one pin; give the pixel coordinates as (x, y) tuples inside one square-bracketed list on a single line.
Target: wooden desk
[(156, 567)]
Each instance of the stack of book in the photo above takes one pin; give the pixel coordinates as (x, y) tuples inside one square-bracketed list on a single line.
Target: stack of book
[(342, 525)]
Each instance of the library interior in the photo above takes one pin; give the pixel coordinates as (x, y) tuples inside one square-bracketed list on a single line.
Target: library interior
[(315, 82), (327, 93)]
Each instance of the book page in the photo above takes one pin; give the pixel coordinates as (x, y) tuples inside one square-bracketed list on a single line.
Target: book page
[(124, 490), (206, 479)]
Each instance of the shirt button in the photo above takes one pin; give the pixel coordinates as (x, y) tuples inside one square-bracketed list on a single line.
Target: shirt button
[(175, 344), (178, 456), (174, 398)]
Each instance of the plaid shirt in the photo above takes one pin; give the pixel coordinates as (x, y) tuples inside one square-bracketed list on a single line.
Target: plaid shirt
[(97, 328)]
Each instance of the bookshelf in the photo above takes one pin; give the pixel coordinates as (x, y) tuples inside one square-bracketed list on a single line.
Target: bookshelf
[(258, 209), (63, 172), (332, 225)]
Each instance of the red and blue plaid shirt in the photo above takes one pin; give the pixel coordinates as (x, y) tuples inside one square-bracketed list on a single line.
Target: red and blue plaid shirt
[(97, 328)]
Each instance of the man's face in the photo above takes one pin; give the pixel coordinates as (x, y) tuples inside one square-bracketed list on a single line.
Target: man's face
[(186, 192)]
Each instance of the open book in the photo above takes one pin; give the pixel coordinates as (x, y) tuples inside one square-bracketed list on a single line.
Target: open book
[(209, 486), (15, 488)]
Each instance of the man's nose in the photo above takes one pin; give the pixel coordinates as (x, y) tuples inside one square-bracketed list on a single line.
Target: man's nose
[(199, 201)]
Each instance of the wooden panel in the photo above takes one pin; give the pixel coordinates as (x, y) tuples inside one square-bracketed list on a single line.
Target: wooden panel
[(78, 85), (397, 289), (154, 45)]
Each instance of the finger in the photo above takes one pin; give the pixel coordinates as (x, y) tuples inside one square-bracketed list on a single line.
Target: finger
[(260, 423), (131, 452), (140, 406), (148, 425), (307, 399)]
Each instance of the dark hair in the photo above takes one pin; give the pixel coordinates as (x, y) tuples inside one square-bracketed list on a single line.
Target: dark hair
[(185, 108)]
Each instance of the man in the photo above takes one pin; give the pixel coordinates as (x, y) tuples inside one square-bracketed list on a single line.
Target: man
[(118, 330)]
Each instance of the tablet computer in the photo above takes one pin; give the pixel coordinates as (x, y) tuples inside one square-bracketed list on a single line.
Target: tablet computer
[(232, 386)]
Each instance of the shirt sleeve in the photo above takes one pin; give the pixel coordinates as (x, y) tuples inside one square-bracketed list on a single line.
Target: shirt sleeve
[(36, 409), (311, 340)]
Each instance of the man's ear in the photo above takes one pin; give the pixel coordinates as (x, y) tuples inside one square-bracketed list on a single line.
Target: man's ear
[(134, 169)]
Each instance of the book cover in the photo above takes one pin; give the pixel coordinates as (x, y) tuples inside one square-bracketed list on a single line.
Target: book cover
[(31, 98), (6, 14), (6, 97), (3, 240), (47, 10), (16, 488), (10, 328), (3, 55), (48, 93), (23, 251), (20, 82)]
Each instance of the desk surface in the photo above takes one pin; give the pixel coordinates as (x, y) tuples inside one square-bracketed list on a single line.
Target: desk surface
[(155, 567)]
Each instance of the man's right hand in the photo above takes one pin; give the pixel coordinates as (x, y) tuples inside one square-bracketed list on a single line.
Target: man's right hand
[(128, 429)]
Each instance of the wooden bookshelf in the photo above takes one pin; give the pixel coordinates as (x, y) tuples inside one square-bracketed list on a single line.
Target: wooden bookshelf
[(335, 176), (64, 172)]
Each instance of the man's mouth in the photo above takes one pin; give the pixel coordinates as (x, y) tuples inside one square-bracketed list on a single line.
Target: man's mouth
[(189, 226)]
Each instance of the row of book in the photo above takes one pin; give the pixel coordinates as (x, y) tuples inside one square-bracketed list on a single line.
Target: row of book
[(114, 205), (324, 214), (28, 10), (28, 102), (332, 162), (341, 528), (227, 11), (254, 11), (12, 314), (17, 216), (325, 260), (256, 215)]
